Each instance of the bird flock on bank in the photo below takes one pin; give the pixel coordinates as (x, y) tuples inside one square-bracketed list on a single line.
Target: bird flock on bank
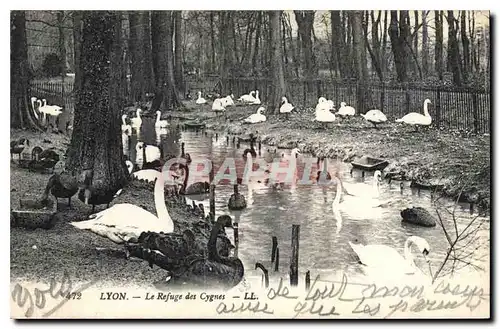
[(153, 237)]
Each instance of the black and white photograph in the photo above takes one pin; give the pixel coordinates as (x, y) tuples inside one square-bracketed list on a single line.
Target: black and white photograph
[(250, 164)]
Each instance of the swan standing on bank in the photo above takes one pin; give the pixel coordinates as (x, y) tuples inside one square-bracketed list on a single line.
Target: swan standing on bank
[(123, 222), (286, 107), (384, 257), (417, 119), (346, 111), (126, 128), (200, 99), (375, 117), (256, 117)]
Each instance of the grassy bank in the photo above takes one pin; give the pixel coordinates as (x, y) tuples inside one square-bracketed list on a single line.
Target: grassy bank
[(461, 162)]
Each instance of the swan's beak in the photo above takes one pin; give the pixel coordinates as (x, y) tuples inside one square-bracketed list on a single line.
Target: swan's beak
[(425, 253)]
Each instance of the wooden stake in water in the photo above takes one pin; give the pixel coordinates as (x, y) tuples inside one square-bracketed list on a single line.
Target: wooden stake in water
[(227, 140), (212, 192), (216, 136), (471, 208), (277, 260), (308, 280), (236, 239), (294, 262), (273, 250), (260, 146)]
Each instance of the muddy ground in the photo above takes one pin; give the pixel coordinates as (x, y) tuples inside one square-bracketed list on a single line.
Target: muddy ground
[(459, 161)]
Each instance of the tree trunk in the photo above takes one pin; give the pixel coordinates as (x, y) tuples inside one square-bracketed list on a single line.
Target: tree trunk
[(338, 43), (212, 43), (305, 22), (77, 45), (454, 61), (373, 50), (397, 47), (465, 46), (383, 48), (96, 141), (255, 57), (405, 39), (21, 115), (415, 39), (178, 65), (425, 44), (356, 17), (140, 69), (278, 86), (438, 48), (166, 96)]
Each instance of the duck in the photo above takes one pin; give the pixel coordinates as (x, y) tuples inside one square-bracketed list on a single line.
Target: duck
[(160, 123), (346, 111), (286, 107), (383, 256), (256, 117), (418, 216), (17, 147), (124, 222), (265, 274), (150, 153), (237, 200), (249, 98), (94, 194), (195, 188), (126, 128), (136, 122), (375, 117), (212, 271), (417, 119), (184, 155), (61, 185), (256, 101), (200, 99), (47, 159)]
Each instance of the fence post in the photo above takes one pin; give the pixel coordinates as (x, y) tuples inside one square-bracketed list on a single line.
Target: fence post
[(407, 96), (294, 263), (438, 108), (382, 97), (304, 85), (318, 88), (475, 112)]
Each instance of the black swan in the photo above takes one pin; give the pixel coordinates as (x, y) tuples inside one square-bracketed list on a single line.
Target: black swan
[(47, 159), (237, 200), (211, 271), (418, 216), (184, 155), (265, 272), (94, 194), (195, 188), (251, 150)]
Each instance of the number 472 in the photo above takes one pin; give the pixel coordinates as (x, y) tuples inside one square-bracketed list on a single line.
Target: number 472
[(73, 295)]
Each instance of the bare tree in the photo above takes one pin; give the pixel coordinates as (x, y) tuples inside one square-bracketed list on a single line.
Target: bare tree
[(360, 59), (454, 60), (398, 48), (178, 62), (465, 45), (425, 44), (305, 22), (438, 47), (141, 65)]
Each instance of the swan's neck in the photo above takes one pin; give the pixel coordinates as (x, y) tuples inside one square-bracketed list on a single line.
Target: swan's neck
[(158, 116), (212, 243), (123, 121), (138, 114), (186, 178), (336, 201), (44, 102), (426, 111), (408, 254), (161, 208), (325, 165)]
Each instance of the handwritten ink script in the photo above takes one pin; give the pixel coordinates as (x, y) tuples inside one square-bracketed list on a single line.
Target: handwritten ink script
[(60, 292), (341, 298)]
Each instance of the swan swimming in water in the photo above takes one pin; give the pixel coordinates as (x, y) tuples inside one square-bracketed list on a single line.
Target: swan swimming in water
[(384, 257), (362, 190), (126, 128), (136, 122), (160, 123)]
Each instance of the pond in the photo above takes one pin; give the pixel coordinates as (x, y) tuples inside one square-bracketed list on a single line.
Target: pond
[(324, 237)]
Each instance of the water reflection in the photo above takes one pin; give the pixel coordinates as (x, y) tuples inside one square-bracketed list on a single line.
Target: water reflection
[(324, 233)]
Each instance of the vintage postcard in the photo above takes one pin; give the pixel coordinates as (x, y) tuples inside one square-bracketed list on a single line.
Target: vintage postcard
[(286, 164)]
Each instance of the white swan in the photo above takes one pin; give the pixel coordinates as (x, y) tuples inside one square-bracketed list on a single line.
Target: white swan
[(345, 111), (52, 110), (200, 99), (160, 123), (33, 106), (256, 117), (385, 257), (417, 119), (362, 189), (126, 129), (137, 121), (375, 117), (286, 107), (249, 98), (353, 204), (123, 222), (219, 105), (324, 104), (229, 100), (324, 115), (152, 152), (257, 99)]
